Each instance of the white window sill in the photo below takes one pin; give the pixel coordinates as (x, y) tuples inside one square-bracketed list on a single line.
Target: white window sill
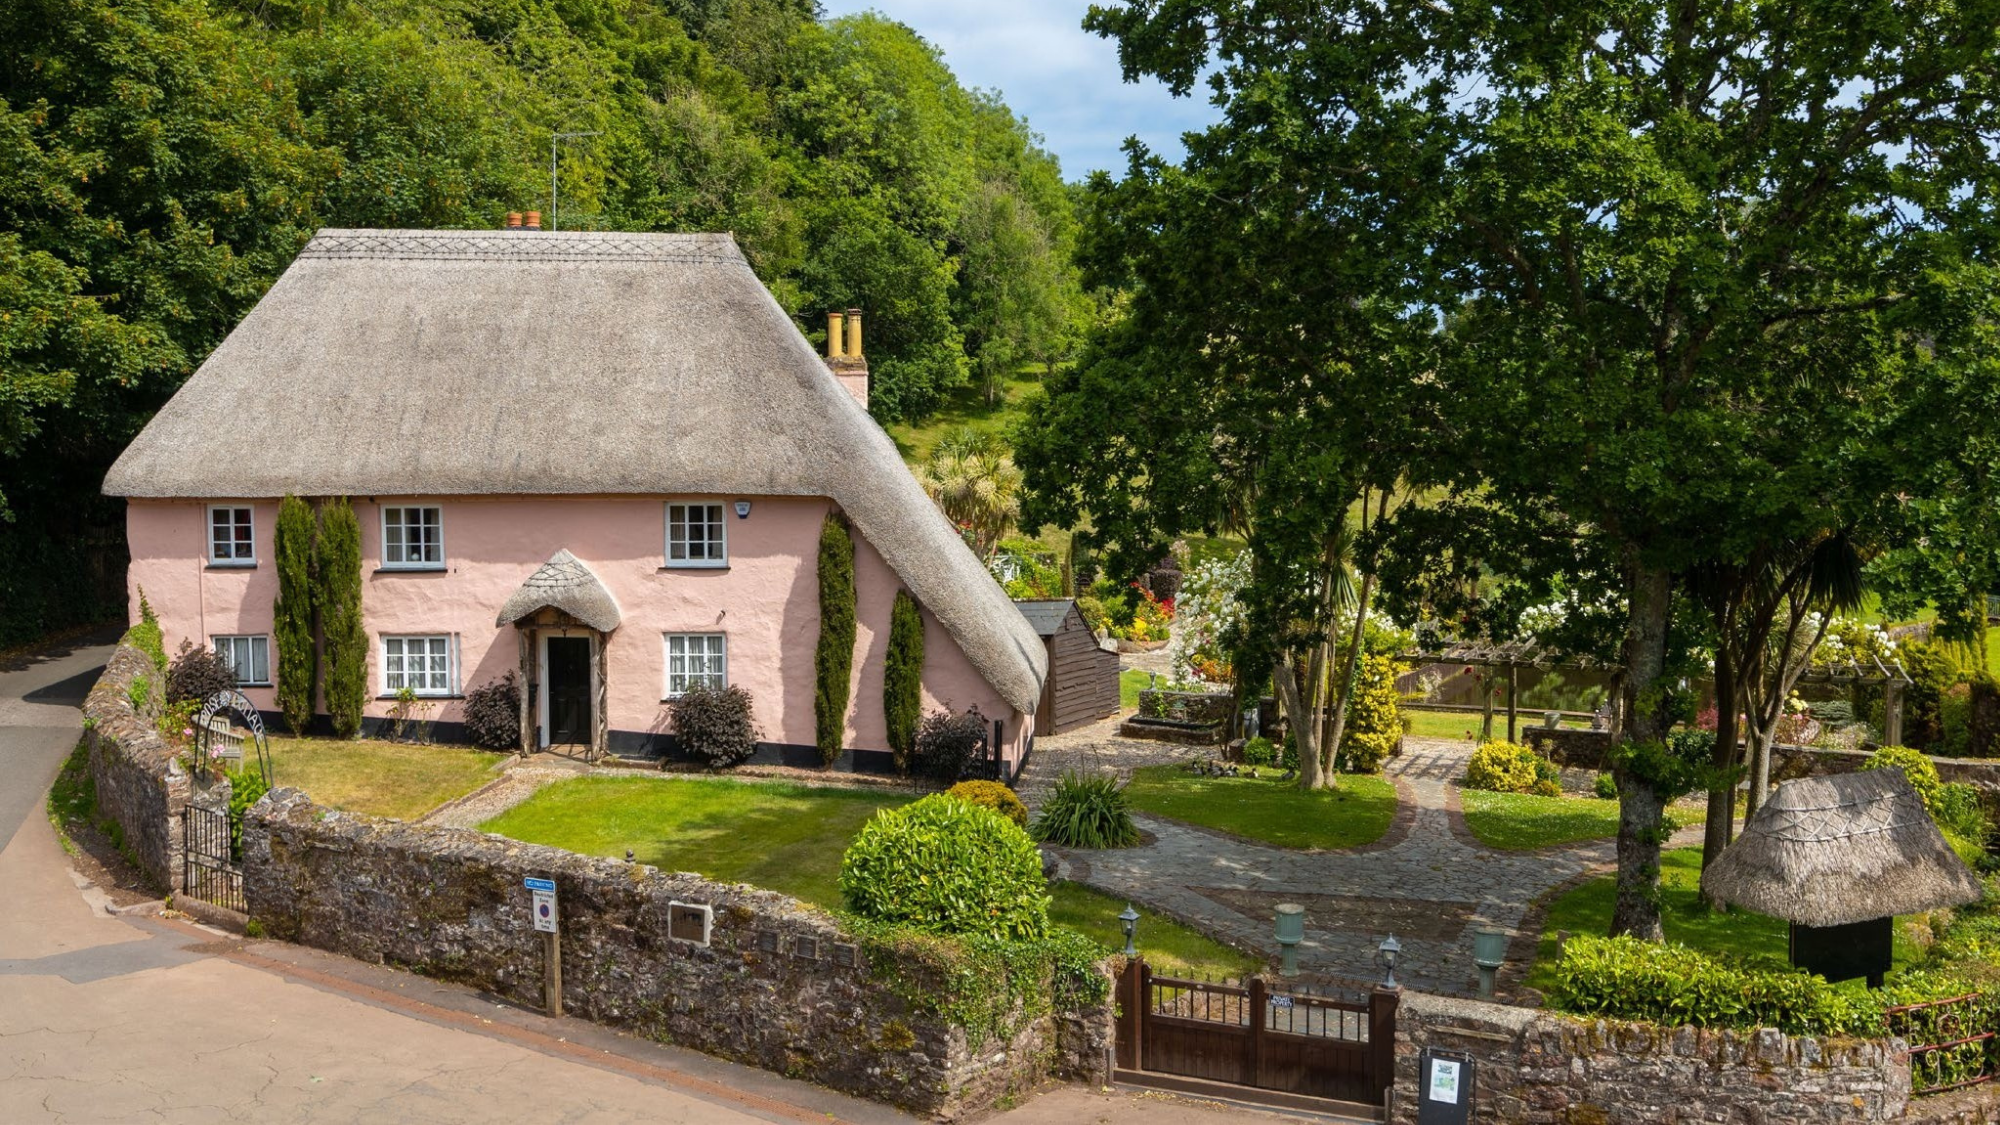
[(719, 564), (391, 697), (418, 568), (232, 564)]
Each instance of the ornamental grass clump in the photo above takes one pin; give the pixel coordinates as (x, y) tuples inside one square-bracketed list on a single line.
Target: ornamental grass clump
[(1504, 767), (948, 867), (992, 795), (1086, 812)]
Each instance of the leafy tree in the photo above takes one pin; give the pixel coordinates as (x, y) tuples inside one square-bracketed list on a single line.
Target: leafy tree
[(292, 615), (337, 597), (973, 479), (903, 678), (833, 662), (1661, 240)]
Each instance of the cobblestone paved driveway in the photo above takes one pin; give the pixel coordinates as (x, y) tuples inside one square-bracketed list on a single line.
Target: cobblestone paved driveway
[(1427, 882)]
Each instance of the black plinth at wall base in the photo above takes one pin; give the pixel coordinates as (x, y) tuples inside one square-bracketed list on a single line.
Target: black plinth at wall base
[(1858, 949)]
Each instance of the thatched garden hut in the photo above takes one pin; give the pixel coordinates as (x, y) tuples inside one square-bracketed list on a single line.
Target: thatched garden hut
[(1839, 857)]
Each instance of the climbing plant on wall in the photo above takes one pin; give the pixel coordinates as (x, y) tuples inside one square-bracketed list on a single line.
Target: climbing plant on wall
[(903, 678), (337, 595), (835, 660), (292, 615)]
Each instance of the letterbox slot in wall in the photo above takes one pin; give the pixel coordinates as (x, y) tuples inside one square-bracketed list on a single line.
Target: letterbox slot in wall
[(690, 921)]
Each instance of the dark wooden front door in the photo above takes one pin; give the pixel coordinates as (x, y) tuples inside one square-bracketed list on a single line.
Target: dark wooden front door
[(569, 690)]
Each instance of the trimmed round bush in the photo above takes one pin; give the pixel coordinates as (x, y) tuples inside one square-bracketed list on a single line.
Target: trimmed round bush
[(1505, 767), (1259, 752), (992, 795), (1915, 766), (493, 714), (714, 724), (1086, 812), (947, 866), (196, 674)]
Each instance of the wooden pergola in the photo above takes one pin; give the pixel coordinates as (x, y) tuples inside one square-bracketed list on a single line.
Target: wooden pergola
[(1889, 676)]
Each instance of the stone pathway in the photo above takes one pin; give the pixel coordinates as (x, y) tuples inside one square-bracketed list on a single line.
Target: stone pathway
[(1096, 749), (521, 778), (1428, 882)]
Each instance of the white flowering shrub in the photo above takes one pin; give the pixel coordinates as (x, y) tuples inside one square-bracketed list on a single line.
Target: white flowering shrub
[(1206, 611)]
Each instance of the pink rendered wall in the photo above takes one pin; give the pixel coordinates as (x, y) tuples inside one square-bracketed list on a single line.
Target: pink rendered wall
[(766, 601)]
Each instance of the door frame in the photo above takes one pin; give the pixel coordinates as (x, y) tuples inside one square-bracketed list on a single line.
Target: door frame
[(542, 635)]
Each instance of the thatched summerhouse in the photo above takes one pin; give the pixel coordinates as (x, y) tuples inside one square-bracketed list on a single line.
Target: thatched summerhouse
[(1840, 857), (598, 460)]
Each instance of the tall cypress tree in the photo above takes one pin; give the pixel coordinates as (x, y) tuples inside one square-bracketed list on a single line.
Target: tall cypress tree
[(292, 615), (903, 678), (337, 583), (834, 662)]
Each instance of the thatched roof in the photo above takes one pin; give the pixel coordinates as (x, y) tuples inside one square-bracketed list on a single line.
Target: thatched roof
[(1828, 851), (427, 363), (566, 584)]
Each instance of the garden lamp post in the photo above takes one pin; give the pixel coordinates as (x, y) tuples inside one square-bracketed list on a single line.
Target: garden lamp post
[(1291, 931), (1390, 949), (1128, 919), (1489, 952)]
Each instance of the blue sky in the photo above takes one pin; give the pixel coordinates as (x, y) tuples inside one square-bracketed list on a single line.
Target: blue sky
[(1064, 80)]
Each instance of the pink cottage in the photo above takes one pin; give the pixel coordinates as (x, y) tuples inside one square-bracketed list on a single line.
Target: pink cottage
[(601, 460)]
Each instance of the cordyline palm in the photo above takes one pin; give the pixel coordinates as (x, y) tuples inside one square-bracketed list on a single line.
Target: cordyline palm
[(972, 478)]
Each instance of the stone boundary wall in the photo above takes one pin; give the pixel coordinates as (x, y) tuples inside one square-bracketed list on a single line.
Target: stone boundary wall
[(779, 985), (1540, 1068), (1811, 761), (141, 787)]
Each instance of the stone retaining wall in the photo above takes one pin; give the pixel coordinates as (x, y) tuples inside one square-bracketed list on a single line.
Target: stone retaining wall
[(141, 789), (779, 985), (1811, 761), (1565, 746), (1539, 1068)]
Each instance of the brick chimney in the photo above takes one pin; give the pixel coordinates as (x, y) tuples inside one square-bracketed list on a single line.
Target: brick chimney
[(843, 353)]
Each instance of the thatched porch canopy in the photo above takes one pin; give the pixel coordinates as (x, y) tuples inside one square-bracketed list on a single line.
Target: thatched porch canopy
[(566, 584), (1831, 851)]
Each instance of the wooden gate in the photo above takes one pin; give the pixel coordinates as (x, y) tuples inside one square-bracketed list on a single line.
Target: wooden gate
[(1257, 1035)]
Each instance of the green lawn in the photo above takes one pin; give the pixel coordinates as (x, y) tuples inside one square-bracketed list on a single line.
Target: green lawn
[(1458, 724), (1130, 683), (779, 836), (1687, 920), (967, 407), (1267, 809), (1167, 945), (1515, 821), (380, 778)]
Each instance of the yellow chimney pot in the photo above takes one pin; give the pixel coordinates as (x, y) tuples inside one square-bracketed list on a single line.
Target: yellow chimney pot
[(854, 333), (833, 335)]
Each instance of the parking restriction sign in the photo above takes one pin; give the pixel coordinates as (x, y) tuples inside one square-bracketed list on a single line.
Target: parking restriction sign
[(544, 909)]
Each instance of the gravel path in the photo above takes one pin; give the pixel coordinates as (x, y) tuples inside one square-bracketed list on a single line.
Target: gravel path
[(1428, 882)]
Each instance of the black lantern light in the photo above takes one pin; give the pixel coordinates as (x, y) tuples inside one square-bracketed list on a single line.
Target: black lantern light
[(1390, 949), (1129, 919)]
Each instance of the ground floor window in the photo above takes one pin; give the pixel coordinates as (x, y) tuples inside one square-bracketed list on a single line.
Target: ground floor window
[(696, 659), (422, 664), (248, 657)]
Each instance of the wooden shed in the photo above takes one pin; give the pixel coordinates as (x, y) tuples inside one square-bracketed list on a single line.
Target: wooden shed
[(1082, 686)]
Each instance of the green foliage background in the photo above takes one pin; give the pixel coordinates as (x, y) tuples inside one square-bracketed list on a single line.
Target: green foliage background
[(161, 161), (833, 663)]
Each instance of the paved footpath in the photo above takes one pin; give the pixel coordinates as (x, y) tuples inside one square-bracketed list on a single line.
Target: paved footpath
[(1427, 882)]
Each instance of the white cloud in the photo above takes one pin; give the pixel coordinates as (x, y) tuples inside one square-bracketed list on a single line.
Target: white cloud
[(1064, 80)]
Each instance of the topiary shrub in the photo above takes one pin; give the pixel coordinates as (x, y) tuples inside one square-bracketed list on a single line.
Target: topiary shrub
[(292, 614), (337, 596), (947, 744), (833, 662), (1605, 785), (196, 674), (493, 714), (146, 635), (1505, 767), (715, 724), (1915, 766), (1259, 751), (992, 795), (903, 679), (1374, 716), (1626, 978), (945, 866), (1086, 812)]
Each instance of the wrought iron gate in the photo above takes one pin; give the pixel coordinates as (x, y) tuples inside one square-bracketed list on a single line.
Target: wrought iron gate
[(1258, 1035), (209, 871)]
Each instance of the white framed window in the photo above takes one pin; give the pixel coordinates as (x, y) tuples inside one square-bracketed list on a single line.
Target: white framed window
[(696, 659), (426, 665), (249, 657), (695, 535), (413, 538), (232, 535)]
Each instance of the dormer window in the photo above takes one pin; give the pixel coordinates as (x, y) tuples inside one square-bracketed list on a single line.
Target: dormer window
[(695, 536), (232, 537)]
